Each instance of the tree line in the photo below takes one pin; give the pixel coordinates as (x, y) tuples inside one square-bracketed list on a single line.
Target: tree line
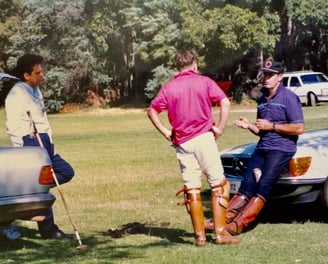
[(127, 46)]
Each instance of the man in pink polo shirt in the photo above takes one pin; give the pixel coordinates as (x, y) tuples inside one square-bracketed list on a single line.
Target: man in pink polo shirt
[(188, 99)]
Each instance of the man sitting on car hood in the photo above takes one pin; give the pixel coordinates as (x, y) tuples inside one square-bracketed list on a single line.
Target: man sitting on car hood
[(279, 122)]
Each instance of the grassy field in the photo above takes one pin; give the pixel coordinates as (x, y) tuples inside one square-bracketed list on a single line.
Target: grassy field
[(123, 202)]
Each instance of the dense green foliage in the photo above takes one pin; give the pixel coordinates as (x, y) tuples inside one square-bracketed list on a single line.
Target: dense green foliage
[(128, 45)]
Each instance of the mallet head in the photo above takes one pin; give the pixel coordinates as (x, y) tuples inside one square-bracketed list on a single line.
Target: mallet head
[(81, 247)]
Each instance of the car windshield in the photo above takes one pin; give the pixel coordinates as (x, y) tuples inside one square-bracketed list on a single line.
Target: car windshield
[(313, 78)]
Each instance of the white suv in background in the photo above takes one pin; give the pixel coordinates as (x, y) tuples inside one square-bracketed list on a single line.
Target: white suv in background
[(311, 87)]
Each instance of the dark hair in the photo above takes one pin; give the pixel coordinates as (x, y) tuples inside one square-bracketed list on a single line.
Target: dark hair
[(25, 64), (185, 58)]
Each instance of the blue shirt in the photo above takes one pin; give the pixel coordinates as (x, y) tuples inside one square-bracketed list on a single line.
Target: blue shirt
[(283, 108)]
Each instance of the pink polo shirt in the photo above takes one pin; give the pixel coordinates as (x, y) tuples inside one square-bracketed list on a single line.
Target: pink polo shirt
[(188, 99)]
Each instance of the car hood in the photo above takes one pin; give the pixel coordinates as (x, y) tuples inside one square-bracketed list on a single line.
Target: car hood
[(245, 150), (315, 144), (312, 143)]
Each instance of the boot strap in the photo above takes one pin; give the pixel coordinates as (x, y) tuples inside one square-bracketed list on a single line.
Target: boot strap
[(186, 191), (222, 192)]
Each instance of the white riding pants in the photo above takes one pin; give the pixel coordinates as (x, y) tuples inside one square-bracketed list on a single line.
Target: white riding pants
[(200, 155)]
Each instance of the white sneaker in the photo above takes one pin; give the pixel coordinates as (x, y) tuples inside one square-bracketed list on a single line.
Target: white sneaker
[(11, 233)]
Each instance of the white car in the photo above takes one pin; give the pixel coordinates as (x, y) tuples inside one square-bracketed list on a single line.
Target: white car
[(305, 180), (311, 87), (25, 181)]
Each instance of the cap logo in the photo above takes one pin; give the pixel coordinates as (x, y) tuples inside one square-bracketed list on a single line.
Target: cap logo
[(268, 64)]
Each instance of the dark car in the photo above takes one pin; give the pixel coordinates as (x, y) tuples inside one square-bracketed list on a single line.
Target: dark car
[(303, 181)]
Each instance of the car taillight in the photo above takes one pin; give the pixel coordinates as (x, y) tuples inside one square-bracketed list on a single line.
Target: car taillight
[(45, 176), (299, 166)]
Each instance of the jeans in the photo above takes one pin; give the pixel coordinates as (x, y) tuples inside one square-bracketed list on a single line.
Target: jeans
[(63, 170), (271, 163), (64, 173)]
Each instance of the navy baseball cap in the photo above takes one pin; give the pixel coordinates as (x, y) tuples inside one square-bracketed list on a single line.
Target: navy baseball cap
[(273, 66)]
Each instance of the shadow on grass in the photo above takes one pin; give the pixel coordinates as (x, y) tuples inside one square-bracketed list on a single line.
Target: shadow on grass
[(30, 248), (22, 242), (275, 212), (161, 230)]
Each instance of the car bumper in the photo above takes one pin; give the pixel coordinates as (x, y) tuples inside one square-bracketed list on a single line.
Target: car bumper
[(296, 191), (24, 207)]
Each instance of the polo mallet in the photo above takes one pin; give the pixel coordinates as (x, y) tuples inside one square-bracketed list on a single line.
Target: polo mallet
[(81, 246)]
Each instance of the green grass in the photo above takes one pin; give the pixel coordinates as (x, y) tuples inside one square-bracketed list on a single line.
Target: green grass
[(127, 173)]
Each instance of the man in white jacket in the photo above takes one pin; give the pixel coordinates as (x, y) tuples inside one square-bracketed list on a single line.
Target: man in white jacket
[(24, 101)]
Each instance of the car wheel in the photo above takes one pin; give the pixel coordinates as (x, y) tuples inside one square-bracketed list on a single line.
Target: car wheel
[(324, 194), (311, 100)]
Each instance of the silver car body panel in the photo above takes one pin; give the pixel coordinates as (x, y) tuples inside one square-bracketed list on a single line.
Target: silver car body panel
[(303, 188), (21, 194)]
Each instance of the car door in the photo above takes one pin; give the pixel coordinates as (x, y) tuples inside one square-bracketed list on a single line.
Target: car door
[(295, 85)]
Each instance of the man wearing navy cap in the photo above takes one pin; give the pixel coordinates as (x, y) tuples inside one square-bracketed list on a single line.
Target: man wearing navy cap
[(278, 124)]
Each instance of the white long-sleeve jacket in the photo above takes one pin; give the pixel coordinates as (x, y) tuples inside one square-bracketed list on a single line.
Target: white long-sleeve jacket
[(19, 101)]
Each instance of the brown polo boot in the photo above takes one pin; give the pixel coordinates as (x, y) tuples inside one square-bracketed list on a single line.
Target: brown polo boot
[(220, 200), (194, 202), (236, 204), (247, 215), (194, 206)]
